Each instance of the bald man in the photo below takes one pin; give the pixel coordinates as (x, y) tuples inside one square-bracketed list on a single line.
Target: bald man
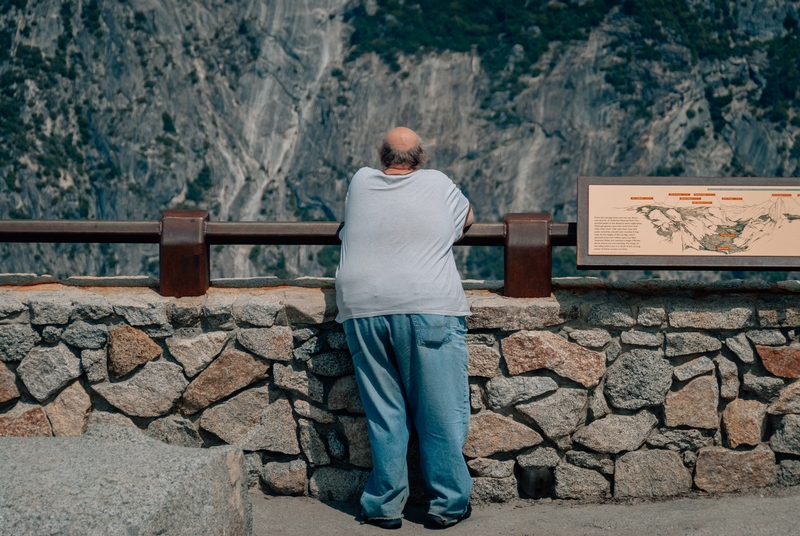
[(401, 301)]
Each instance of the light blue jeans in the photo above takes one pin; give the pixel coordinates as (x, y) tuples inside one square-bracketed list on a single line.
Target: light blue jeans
[(413, 369)]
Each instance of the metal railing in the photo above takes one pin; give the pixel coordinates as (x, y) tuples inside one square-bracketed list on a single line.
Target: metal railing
[(184, 237)]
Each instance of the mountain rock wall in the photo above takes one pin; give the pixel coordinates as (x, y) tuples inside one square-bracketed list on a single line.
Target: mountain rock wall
[(255, 111)]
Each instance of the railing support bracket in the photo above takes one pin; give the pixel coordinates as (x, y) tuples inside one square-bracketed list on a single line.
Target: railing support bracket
[(527, 255), (184, 267)]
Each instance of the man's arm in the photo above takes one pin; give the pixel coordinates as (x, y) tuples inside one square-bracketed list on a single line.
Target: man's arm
[(467, 222)]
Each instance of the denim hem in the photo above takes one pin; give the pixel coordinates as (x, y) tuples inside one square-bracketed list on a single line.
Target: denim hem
[(447, 521), (365, 517)]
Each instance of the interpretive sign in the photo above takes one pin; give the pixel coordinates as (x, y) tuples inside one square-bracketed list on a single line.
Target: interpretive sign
[(689, 222)]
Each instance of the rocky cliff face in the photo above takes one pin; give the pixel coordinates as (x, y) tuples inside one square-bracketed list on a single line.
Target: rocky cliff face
[(252, 109)]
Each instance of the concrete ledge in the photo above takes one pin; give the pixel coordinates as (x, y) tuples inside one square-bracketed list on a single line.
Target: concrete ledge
[(115, 480), (247, 282), (479, 284), (581, 284), (26, 279), (117, 281), (578, 284)]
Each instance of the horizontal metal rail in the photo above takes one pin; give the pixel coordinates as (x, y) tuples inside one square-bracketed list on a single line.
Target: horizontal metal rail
[(563, 233), (184, 237), (122, 232), (234, 233), (273, 233)]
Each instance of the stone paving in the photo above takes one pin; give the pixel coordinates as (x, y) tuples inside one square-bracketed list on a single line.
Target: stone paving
[(770, 512)]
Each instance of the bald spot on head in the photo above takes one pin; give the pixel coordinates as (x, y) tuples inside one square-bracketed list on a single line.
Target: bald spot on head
[(402, 139)]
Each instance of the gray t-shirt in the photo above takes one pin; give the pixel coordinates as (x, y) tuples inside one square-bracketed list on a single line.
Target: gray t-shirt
[(397, 255)]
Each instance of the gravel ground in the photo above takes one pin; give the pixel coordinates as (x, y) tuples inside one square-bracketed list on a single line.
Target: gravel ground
[(771, 511)]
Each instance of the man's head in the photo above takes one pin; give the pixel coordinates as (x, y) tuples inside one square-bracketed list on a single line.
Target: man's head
[(402, 148)]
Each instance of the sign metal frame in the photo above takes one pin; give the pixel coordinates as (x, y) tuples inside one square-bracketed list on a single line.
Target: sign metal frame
[(673, 262)]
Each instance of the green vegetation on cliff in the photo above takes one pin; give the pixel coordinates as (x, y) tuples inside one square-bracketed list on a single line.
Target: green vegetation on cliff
[(511, 36), (494, 27), (783, 73), (499, 30), (26, 127)]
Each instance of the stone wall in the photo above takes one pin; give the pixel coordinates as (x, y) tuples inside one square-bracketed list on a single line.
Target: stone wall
[(627, 390)]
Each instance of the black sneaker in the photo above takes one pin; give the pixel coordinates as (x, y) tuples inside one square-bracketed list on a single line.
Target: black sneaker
[(449, 523), (390, 524)]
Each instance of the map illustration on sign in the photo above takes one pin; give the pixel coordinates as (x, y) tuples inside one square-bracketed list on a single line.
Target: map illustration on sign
[(690, 220)]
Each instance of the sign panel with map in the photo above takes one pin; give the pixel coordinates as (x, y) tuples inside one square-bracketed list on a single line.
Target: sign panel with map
[(688, 222)]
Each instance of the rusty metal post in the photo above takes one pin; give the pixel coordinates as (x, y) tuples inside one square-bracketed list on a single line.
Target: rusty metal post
[(184, 266), (527, 255)]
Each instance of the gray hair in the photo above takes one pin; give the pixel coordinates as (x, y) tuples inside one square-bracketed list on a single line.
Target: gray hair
[(413, 158)]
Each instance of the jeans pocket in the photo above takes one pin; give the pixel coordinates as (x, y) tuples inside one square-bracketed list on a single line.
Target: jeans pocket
[(432, 331)]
